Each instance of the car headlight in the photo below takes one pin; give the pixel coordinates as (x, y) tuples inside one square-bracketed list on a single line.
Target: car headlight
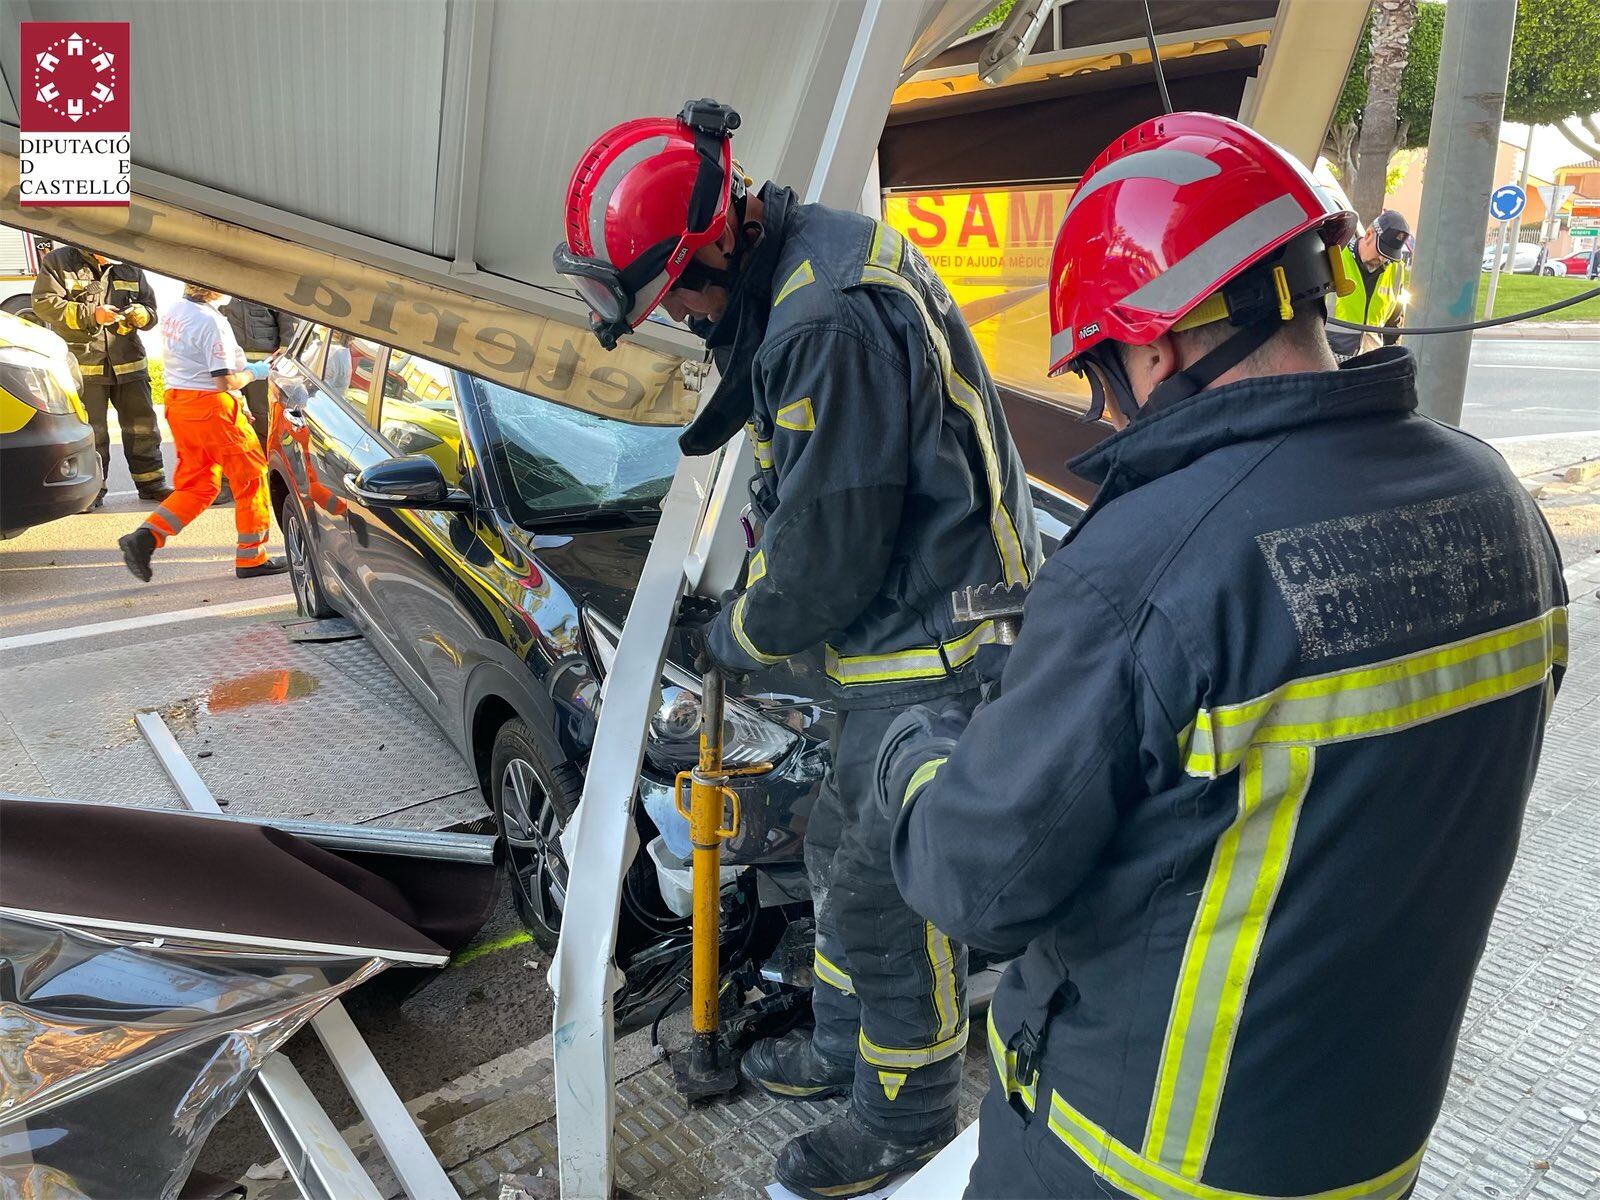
[(408, 438), (31, 380), (672, 740), (748, 738)]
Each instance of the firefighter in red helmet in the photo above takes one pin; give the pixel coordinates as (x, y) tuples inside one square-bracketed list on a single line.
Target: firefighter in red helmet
[(1243, 795), (886, 478)]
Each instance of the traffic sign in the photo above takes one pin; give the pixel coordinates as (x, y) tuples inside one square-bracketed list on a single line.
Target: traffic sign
[(1506, 203), (1579, 232)]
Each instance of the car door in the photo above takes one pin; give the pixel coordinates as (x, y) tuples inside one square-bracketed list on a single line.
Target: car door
[(326, 440), (432, 582)]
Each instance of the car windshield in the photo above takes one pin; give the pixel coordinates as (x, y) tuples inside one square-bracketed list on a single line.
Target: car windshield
[(557, 461)]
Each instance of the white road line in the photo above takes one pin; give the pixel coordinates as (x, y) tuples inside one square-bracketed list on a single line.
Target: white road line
[(232, 608), (1538, 437)]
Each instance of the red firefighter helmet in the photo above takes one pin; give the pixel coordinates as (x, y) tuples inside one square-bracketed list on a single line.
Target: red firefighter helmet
[(643, 198), (1169, 214)]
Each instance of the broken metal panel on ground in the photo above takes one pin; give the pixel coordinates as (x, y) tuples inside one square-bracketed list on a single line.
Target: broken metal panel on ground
[(256, 715)]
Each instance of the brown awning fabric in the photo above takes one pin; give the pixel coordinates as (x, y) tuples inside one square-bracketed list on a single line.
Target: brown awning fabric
[(172, 874), (519, 349), (1051, 129)]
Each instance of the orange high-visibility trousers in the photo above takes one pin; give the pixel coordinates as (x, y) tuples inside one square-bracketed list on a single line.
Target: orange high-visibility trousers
[(214, 437)]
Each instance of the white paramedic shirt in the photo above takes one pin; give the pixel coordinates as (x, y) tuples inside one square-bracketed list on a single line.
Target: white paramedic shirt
[(197, 340)]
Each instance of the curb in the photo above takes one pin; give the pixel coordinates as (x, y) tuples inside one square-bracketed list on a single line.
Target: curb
[(1549, 331)]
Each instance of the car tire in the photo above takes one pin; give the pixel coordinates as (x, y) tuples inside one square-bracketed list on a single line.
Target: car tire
[(533, 800), (304, 575), (1548, 271)]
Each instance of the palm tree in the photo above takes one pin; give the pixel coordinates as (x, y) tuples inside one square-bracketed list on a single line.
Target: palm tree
[(1380, 125)]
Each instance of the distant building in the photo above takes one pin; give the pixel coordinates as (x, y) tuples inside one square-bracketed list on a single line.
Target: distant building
[(1407, 197)]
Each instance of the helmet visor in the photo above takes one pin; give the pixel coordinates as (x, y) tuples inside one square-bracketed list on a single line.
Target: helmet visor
[(597, 283)]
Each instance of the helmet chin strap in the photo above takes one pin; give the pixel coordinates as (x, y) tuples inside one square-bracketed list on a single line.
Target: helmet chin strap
[(1206, 369)]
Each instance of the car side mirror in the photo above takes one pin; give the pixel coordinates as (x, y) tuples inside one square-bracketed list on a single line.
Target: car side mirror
[(414, 481)]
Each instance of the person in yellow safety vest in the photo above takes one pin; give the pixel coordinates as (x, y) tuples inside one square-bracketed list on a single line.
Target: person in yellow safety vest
[(1377, 262)]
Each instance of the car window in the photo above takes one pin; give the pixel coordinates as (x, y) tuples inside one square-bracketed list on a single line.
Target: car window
[(349, 367), (417, 413), (309, 355), (555, 461)]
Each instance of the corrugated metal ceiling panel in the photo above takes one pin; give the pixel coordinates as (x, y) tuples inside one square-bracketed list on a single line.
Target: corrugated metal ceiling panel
[(561, 72), (329, 110)]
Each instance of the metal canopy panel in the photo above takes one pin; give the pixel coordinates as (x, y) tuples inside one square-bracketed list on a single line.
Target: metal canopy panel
[(560, 73)]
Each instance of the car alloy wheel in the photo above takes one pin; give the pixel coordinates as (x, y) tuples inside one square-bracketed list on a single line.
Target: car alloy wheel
[(303, 577), (533, 844)]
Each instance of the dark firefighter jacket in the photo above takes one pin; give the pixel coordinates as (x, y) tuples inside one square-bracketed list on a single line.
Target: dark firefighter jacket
[(1249, 793), (890, 474), (69, 286), (258, 328)]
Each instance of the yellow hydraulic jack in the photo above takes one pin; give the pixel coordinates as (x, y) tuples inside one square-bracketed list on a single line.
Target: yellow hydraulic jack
[(706, 1069)]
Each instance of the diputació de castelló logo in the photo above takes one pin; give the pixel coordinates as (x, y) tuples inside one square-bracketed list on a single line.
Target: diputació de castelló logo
[(75, 113)]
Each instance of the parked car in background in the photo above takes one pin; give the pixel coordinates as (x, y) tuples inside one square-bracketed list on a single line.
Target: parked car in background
[(1523, 259), (488, 543), (1579, 266), (48, 467)]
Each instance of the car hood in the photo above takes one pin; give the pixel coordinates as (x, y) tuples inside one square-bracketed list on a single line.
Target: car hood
[(602, 568)]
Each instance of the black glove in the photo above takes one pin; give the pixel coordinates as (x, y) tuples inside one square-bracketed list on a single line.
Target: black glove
[(989, 664)]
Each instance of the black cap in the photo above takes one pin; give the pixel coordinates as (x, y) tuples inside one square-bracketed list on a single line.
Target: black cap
[(1394, 233)]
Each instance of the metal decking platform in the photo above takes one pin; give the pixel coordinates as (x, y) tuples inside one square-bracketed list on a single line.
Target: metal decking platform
[(321, 730)]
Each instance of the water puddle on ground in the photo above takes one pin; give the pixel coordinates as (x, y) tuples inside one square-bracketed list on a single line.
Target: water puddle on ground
[(260, 687)]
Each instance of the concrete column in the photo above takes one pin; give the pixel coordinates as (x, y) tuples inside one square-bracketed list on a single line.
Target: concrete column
[(1469, 102)]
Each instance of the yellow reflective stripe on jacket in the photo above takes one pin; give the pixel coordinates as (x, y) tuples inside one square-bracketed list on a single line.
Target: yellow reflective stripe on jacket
[(1409, 690), (91, 368), (917, 662), (830, 974), (1005, 1067), (883, 267), (1247, 869), (125, 285), (760, 448), (920, 777), (941, 964), (69, 314), (912, 1057), (797, 279), (757, 568), (736, 623), (798, 416), (1138, 1176), (129, 368)]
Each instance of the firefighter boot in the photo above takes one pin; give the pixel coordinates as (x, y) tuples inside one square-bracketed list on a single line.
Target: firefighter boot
[(790, 1068), (843, 1158), (273, 566), (137, 547)]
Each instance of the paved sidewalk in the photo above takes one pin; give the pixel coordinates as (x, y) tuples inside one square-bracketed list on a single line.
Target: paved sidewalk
[(1521, 1117)]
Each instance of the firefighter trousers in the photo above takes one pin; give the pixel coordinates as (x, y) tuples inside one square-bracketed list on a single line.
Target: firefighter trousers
[(136, 417), (891, 990), (214, 438)]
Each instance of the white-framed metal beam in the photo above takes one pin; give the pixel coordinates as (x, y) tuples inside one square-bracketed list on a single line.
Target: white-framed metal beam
[(471, 35), (584, 974), (884, 36), (1291, 99)]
